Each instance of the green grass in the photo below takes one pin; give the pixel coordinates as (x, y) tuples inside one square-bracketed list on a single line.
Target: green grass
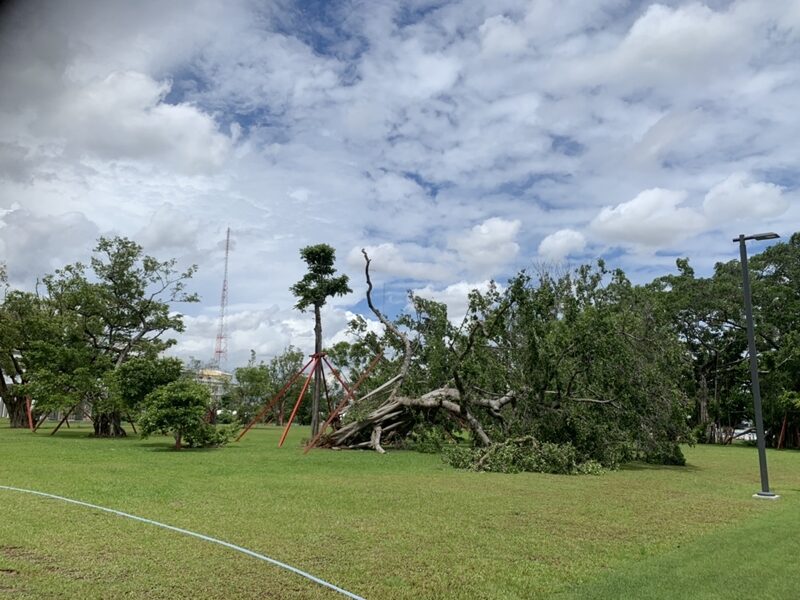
[(401, 525)]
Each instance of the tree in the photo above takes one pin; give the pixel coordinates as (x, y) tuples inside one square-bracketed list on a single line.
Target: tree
[(281, 368), (28, 329), (176, 409), (123, 312), (584, 362), (257, 383), (133, 380), (253, 387), (313, 290), (707, 314)]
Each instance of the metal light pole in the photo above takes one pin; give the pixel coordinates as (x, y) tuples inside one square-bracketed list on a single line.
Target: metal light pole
[(751, 342)]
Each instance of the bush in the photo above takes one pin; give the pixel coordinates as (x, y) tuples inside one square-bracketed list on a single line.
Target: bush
[(206, 435), (666, 453), (226, 417), (427, 439), (522, 454), (180, 409)]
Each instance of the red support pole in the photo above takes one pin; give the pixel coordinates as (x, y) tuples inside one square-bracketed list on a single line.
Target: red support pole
[(343, 403), (314, 360), (30, 413), (272, 402), (341, 381), (367, 371)]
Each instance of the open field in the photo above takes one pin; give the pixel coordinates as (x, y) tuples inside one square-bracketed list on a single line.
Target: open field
[(402, 525)]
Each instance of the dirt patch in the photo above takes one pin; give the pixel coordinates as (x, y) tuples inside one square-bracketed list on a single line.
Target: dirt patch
[(43, 561)]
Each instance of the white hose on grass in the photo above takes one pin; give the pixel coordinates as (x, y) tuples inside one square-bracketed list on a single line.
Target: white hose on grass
[(207, 538)]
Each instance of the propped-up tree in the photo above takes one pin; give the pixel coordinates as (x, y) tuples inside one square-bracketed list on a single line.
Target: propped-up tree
[(313, 290)]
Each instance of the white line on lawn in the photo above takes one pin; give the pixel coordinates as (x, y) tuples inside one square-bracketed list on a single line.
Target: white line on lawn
[(207, 538)]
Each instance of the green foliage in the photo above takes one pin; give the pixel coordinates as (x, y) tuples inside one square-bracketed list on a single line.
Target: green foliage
[(707, 314), (206, 435), (319, 284), (521, 454), (136, 378), (259, 382), (178, 408), (64, 347), (428, 439)]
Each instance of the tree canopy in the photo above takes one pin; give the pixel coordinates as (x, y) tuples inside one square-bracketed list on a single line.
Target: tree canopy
[(63, 345)]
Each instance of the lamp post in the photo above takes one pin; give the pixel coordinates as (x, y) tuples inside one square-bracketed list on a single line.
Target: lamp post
[(751, 342)]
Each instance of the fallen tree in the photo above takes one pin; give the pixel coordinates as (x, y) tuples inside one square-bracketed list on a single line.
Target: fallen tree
[(582, 360)]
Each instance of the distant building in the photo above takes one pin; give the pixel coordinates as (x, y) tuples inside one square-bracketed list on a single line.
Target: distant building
[(216, 381)]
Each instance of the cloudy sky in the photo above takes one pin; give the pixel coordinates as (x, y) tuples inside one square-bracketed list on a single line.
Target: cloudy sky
[(458, 141)]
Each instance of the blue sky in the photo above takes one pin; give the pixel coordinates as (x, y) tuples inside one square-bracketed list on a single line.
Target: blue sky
[(458, 141)]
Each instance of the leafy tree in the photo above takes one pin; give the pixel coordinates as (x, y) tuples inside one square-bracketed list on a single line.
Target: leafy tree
[(133, 380), (177, 408), (252, 389), (257, 383), (707, 314), (29, 338), (123, 312), (281, 368), (313, 290), (584, 361)]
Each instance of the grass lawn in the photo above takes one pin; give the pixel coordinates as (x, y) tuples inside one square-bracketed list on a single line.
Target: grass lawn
[(402, 525)]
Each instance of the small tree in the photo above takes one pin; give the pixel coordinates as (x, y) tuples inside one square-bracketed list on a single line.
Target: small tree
[(314, 289), (135, 379), (177, 408)]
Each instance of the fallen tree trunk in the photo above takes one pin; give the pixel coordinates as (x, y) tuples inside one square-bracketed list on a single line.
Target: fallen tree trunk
[(395, 416)]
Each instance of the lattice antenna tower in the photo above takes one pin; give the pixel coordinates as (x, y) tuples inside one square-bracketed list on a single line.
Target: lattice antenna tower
[(221, 346)]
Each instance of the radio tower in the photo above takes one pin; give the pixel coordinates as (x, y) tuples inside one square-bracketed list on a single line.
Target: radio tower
[(221, 347)]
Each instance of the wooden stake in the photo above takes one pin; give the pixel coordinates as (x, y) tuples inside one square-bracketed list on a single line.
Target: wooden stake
[(316, 361), (782, 437)]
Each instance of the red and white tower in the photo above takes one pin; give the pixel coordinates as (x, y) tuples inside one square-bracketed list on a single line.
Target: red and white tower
[(221, 346)]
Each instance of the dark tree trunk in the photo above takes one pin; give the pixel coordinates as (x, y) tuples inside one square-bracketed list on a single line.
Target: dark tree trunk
[(178, 441), (17, 411), (108, 425), (15, 404), (317, 372)]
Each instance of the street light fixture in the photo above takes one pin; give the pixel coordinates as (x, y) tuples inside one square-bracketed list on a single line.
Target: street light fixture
[(751, 342)]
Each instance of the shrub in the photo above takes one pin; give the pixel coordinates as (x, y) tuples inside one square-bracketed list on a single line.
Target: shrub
[(522, 454), (206, 435)]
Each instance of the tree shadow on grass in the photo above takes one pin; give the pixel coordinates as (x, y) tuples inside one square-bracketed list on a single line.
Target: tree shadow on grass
[(161, 447), (642, 466)]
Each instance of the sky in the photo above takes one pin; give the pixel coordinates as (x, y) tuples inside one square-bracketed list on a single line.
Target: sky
[(458, 142)]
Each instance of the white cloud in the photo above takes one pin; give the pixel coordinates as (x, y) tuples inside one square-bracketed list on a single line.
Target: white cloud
[(739, 197), (123, 116), (490, 245), (455, 296), (33, 245), (665, 45), (561, 244), (451, 141), (390, 259), (501, 36), (654, 218)]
